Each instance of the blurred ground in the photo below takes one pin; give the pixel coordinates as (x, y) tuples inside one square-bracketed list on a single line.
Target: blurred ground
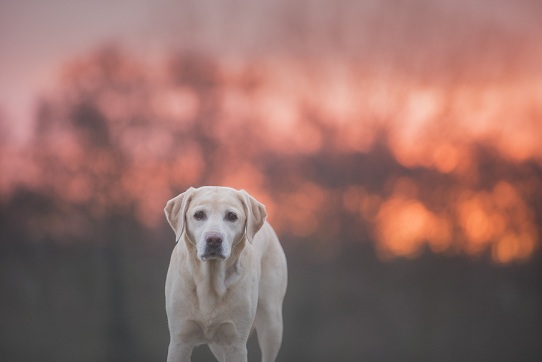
[(56, 307)]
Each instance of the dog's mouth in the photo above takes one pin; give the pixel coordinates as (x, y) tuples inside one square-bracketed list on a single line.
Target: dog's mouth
[(213, 255)]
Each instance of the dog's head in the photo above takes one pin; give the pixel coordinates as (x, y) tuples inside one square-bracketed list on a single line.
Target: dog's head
[(215, 219)]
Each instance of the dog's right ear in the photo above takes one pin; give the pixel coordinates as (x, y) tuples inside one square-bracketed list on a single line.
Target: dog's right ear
[(175, 211)]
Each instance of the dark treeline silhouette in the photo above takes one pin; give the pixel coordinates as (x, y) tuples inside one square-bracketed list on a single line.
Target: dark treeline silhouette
[(85, 249)]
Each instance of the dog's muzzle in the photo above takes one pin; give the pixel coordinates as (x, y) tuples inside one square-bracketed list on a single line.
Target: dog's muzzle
[(213, 246)]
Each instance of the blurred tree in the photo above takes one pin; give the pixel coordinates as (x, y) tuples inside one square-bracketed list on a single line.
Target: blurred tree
[(83, 167)]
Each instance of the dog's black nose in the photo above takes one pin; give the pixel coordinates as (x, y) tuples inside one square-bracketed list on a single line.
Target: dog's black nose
[(214, 240)]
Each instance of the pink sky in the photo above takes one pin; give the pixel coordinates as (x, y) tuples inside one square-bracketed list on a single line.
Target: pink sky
[(37, 37)]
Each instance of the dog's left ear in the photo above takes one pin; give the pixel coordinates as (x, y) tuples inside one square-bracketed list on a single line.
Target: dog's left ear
[(255, 212), (175, 212)]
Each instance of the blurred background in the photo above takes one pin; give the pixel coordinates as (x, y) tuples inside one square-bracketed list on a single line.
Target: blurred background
[(396, 145)]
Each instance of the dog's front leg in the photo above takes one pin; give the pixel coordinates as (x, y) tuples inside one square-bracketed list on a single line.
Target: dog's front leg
[(179, 352), (236, 353)]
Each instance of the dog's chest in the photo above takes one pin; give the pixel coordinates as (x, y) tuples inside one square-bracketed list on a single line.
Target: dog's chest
[(209, 305), (215, 317), (220, 310)]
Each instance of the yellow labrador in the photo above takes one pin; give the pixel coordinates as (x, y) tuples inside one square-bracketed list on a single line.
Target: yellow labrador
[(227, 275)]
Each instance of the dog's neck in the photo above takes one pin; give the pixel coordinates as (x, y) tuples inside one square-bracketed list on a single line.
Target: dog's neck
[(218, 276), (212, 278)]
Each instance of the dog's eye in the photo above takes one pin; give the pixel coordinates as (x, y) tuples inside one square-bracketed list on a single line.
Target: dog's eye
[(231, 216), (200, 215)]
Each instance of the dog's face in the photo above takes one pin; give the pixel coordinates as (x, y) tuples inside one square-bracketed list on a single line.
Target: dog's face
[(215, 219), (215, 222)]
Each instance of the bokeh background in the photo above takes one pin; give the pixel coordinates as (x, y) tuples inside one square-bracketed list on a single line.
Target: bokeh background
[(396, 145)]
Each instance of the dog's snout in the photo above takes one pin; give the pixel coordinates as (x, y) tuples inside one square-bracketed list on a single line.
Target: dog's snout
[(214, 248), (214, 240)]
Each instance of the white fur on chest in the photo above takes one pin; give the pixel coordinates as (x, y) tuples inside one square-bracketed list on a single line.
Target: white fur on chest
[(209, 315)]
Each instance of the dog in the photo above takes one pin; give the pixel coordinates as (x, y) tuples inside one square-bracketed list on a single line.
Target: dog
[(227, 275)]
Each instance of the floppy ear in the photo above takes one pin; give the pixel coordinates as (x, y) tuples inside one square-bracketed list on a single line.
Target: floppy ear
[(256, 215), (175, 212)]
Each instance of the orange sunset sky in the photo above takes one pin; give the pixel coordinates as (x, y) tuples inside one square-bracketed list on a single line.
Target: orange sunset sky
[(436, 76)]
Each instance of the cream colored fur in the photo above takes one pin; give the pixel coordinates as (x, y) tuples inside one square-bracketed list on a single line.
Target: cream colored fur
[(227, 275)]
